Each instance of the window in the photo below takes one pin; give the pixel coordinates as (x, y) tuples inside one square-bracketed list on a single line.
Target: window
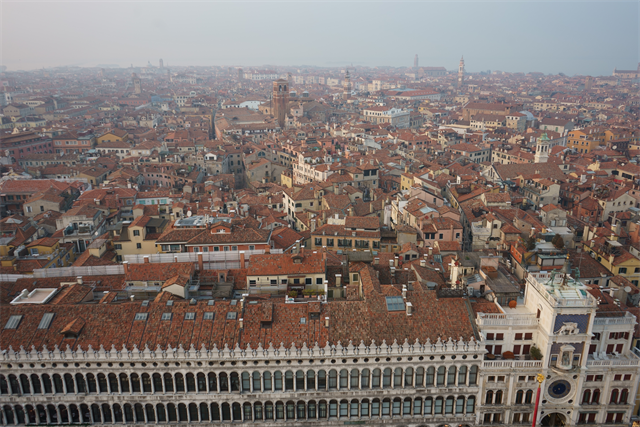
[(138, 245), (166, 316), (395, 303), (208, 315), (46, 321), (141, 316), (189, 316), (136, 232)]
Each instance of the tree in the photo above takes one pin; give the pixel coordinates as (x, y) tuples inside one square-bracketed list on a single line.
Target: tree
[(530, 243), (535, 353), (558, 242)]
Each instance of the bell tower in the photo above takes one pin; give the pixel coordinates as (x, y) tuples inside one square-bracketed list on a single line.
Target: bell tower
[(461, 73), (542, 149), (137, 87), (346, 92), (280, 100)]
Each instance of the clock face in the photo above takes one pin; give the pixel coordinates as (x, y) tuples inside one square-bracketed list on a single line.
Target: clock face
[(559, 389)]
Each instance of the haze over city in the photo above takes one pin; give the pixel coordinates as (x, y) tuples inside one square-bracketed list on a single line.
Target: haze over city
[(587, 38)]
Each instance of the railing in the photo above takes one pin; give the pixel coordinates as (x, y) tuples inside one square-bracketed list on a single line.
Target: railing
[(627, 319), (512, 363), (630, 359), (506, 319), (193, 256)]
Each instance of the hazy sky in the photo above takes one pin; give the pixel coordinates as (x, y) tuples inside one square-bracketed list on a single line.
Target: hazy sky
[(571, 37)]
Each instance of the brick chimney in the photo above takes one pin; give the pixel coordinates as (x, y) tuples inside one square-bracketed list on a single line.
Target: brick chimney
[(200, 262), (125, 264), (242, 259)]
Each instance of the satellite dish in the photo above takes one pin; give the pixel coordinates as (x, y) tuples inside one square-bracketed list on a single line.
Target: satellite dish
[(627, 289), (189, 214)]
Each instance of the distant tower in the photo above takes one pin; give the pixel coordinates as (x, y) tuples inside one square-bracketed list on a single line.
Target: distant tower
[(161, 63), (136, 83), (240, 74), (415, 62), (542, 149), (588, 83), (461, 72), (169, 76), (346, 93), (280, 100), (101, 74)]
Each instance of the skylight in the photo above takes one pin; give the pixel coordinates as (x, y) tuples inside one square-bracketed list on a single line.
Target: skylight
[(395, 304), (46, 321), (13, 322), (166, 316), (189, 316), (141, 316), (208, 315), (232, 315)]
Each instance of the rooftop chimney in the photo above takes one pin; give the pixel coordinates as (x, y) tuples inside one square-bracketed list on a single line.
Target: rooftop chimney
[(125, 264), (79, 280), (409, 308), (146, 259), (423, 263), (338, 280)]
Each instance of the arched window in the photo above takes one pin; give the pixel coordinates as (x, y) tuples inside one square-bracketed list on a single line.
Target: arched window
[(20, 414), (460, 405), (419, 377), (344, 379), (614, 396), (375, 408), (172, 413), (139, 413), (4, 386), (226, 409), (26, 388), (191, 383), (146, 384), (471, 405), (408, 377), (448, 405), (299, 380), (333, 380), (35, 382), (235, 381), (528, 397), (57, 383), (113, 383), (406, 406), (277, 380), (215, 412), (311, 379), (161, 413), (499, 397), (128, 413), (489, 397), (168, 382), (440, 377), (586, 397), (182, 412), (386, 378), (375, 378), (397, 378), (333, 409), (279, 411), (322, 379), (462, 375), (246, 411), (135, 383), (288, 380), (437, 407), (451, 376), (624, 396), (519, 397), (355, 376), (157, 383), (257, 411), (75, 413), (224, 383), (193, 412), (595, 398), (322, 409), (46, 383), (151, 413), (431, 371), (473, 375), (246, 381), (256, 381)]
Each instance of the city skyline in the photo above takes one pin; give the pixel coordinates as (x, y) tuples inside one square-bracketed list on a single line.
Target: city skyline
[(321, 34)]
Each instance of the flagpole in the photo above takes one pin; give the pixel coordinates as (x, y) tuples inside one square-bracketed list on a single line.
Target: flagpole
[(539, 378)]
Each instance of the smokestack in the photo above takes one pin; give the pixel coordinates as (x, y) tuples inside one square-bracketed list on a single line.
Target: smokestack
[(240, 323), (326, 322)]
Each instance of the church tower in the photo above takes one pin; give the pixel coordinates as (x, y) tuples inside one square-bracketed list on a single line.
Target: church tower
[(137, 88), (415, 62), (161, 63), (346, 92), (542, 149), (461, 73), (280, 101)]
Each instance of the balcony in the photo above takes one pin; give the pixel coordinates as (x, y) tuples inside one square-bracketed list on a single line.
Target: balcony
[(629, 359), (627, 319), (509, 364), (506, 320)]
